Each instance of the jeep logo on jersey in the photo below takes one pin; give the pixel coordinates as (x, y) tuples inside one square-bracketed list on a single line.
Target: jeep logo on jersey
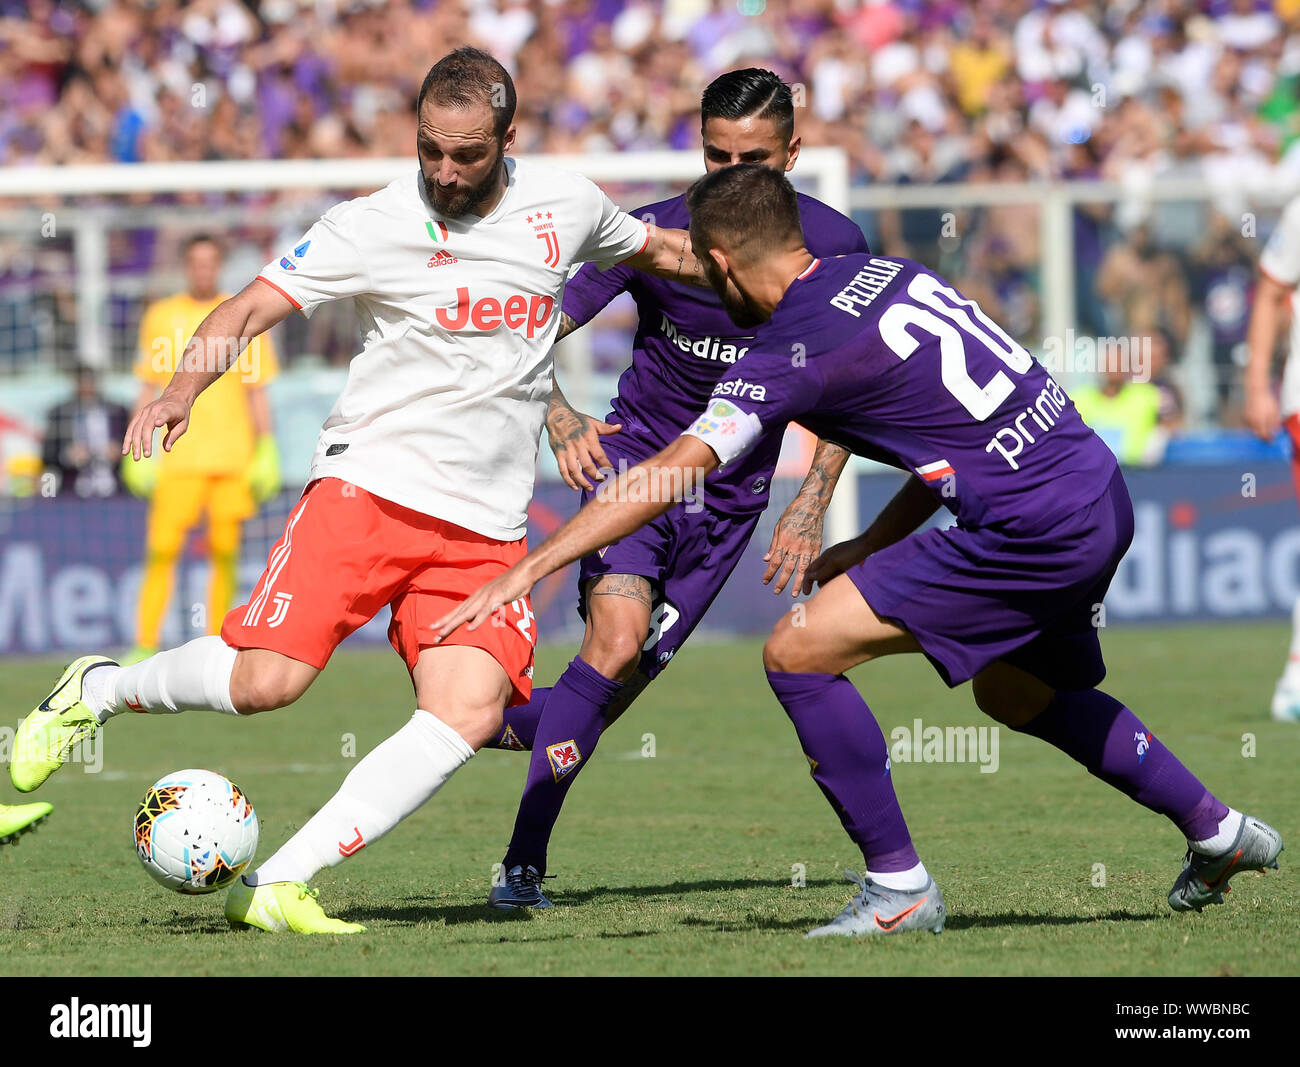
[(518, 312), (710, 348)]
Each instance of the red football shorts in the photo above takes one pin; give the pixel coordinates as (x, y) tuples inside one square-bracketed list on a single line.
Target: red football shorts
[(345, 553)]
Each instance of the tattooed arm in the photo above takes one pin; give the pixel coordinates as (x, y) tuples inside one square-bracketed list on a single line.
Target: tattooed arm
[(797, 538), (573, 436), (668, 254), (909, 508), (625, 503), (567, 325)]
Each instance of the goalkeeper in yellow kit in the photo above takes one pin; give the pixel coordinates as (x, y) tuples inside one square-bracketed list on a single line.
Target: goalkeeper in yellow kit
[(224, 467)]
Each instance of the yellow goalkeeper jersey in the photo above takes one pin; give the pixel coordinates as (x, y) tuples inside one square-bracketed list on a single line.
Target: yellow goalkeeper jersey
[(220, 438)]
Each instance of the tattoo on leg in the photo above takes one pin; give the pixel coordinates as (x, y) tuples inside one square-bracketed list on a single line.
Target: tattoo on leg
[(631, 586)]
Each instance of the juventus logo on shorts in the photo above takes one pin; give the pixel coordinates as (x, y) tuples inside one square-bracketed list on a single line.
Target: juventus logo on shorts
[(281, 609)]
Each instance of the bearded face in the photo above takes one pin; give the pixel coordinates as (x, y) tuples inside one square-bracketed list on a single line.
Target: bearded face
[(463, 196), (461, 158)]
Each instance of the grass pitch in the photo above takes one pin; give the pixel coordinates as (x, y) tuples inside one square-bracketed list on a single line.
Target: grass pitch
[(683, 863)]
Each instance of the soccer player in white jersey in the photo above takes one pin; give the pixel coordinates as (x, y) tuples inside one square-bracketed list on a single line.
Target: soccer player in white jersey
[(421, 478), (1279, 272)]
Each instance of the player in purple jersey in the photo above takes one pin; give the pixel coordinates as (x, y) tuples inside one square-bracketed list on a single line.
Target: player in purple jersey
[(900, 367), (642, 597)]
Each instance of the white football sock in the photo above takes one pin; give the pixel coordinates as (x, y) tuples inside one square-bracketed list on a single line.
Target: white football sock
[(383, 789), (1222, 841), (1291, 673), (194, 677), (908, 881)]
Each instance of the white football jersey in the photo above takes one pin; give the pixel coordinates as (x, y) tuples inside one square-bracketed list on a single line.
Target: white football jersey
[(1280, 260), (444, 405)]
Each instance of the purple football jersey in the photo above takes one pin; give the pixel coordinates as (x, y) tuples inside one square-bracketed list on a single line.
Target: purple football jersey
[(894, 364), (684, 343)]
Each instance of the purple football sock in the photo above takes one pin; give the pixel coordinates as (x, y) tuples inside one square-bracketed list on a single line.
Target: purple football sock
[(1102, 734), (519, 724), (850, 762), (566, 735)]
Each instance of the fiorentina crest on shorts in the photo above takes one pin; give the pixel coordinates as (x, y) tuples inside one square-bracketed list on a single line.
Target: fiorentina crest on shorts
[(510, 740), (564, 758)]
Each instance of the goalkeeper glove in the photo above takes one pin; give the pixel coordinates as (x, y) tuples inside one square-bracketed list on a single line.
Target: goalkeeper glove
[(264, 472), (140, 476)]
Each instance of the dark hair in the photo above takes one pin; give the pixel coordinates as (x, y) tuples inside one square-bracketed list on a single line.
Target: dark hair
[(751, 92), (470, 76), (199, 239), (737, 207)]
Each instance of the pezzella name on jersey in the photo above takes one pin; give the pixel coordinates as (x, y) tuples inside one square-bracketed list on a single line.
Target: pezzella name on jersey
[(712, 348), (517, 312)]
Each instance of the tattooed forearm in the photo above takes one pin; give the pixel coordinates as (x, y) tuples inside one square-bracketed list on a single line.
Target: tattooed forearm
[(689, 269), (631, 586), (567, 326), (827, 465)]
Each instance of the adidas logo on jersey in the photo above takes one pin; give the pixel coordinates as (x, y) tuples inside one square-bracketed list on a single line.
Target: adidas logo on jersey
[(442, 258)]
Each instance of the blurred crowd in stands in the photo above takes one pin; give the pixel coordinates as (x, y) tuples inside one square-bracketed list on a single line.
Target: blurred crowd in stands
[(916, 91)]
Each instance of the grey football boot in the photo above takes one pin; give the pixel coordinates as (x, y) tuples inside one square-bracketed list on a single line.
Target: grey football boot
[(1205, 878), (877, 910)]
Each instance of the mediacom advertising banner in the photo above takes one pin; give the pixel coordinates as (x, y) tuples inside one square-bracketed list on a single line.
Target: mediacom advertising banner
[(1212, 544)]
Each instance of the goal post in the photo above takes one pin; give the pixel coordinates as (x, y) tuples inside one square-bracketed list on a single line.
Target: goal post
[(89, 212)]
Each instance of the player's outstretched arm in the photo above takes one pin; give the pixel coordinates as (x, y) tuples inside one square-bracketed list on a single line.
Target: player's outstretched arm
[(668, 254), (910, 507), (623, 504), (1267, 315), (216, 344), (797, 538), (575, 440)]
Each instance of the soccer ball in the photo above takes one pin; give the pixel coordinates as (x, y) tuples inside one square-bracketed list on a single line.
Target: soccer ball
[(195, 831)]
